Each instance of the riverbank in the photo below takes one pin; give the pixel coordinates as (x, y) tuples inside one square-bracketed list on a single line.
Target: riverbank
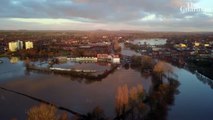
[(203, 66)]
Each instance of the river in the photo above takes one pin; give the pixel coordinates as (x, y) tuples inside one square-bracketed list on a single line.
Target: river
[(195, 99)]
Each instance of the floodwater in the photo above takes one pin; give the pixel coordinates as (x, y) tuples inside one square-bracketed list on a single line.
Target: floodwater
[(194, 102), (195, 99), (127, 52), (154, 41), (76, 94)]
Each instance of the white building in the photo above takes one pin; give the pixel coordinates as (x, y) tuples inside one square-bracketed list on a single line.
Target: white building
[(28, 45), (13, 46), (20, 45), (115, 59), (109, 58)]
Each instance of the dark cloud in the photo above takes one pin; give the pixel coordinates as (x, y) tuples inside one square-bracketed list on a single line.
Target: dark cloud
[(107, 11), (100, 10)]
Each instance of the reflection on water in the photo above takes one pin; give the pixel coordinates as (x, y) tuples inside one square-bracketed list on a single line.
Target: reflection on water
[(9, 71), (98, 67), (14, 60)]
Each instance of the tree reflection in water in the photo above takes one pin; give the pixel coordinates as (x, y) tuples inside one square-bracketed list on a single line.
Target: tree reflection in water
[(122, 99), (146, 107), (152, 106)]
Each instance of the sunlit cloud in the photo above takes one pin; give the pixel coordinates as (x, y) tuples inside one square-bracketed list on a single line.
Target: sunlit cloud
[(46, 21)]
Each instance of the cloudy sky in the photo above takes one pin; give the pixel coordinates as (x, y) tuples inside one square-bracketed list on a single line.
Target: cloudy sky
[(146, 15)]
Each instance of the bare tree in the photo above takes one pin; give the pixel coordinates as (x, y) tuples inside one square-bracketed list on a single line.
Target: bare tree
[(42, 112), (162, 68), (146, 63)]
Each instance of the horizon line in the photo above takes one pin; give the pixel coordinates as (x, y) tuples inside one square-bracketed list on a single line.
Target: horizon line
[(105, 30)]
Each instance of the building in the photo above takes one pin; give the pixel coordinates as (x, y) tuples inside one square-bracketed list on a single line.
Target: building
[(108, 58), (196, 44), (182, 45), (115, 59), (103, 56), (13, 46), (28, 45), (207, 45), (20, 45)]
